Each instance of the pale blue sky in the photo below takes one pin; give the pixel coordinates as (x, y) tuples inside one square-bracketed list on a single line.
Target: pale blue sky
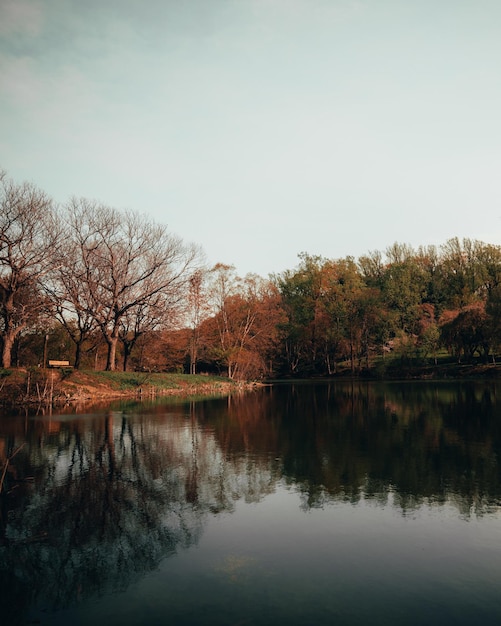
[(262, 128)]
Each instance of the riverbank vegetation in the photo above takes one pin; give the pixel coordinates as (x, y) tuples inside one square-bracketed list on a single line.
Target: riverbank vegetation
[(42, 388), (110, 290)]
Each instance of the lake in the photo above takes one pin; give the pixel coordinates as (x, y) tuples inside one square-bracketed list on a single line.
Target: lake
[(299, 503)]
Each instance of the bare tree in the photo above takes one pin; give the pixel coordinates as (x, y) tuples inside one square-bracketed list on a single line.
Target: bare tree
[(29, 239), (198, 309), (145, 317), (126, 261), (66, 287)]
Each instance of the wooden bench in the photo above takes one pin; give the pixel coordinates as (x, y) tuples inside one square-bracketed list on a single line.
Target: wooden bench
[(59, 363)]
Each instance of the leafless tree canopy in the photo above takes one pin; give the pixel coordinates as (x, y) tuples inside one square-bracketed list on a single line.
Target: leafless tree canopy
[(126, 265), (29, 240)]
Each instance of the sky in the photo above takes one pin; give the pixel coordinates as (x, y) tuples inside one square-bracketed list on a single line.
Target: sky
[(260, 129)]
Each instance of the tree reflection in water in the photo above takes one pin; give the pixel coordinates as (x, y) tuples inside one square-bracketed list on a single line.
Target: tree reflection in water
[(91, 503), (419, 442), (108, 503)]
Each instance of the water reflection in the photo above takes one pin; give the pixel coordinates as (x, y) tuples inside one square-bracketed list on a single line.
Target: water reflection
[(92, 502), (421, 442), (106, 504)]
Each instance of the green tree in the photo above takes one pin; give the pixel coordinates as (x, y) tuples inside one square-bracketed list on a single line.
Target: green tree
[(461, 274), (404, 287), (302, 291)]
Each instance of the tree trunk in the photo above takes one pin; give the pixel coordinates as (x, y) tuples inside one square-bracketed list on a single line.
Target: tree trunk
[(127, 351), (8, 342), (193, 357), (78, 355), (112, 354)]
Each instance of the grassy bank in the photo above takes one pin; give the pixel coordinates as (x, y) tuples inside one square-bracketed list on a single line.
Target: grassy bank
[(59, 386)]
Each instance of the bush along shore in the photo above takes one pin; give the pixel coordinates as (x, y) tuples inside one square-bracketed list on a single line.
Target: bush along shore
[(58, 387)]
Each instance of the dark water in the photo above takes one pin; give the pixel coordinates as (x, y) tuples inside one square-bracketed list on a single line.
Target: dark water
[(298, 504)]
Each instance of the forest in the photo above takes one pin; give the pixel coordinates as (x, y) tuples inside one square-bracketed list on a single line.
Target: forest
[(110, 289)]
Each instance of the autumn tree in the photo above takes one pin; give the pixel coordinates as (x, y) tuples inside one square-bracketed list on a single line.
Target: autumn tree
[(471, 275), (468, 332), (29, 239), (126, 262), (332, 314), (493, 312), (244, 322), (342, 295)]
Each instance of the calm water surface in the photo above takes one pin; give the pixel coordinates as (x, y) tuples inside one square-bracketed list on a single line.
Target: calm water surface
[(298, 504)]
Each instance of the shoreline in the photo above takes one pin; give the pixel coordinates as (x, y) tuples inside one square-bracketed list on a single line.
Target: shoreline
[(31, 388)]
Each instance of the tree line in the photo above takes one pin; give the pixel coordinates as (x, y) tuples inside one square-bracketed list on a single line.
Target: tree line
[(109, 289)]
